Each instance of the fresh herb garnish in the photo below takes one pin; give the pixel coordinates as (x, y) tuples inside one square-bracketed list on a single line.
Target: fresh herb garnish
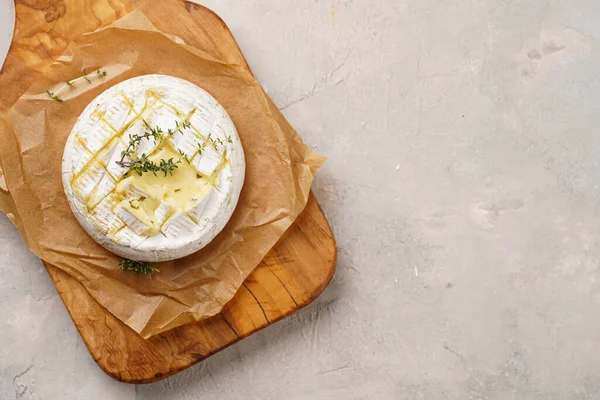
[(85, 76), (143, 164), (185, 156), (139, 267), (53, 95), (168, 166), (178, 127), (219, 142), (184, 125), (134, 141)]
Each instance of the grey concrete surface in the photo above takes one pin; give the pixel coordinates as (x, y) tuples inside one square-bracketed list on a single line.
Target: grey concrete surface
[(463, 186), (7, 24)]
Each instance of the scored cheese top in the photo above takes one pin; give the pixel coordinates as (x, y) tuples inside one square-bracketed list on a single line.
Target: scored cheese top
[(147, 216)]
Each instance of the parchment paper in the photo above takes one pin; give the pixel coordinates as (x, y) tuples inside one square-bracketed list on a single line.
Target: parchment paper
[(279, 172)]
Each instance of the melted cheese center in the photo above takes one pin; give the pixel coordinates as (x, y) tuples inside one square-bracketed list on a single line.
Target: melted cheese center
[(181, 190)]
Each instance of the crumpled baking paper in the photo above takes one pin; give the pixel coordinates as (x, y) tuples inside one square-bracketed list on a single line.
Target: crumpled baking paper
[(279, 173)]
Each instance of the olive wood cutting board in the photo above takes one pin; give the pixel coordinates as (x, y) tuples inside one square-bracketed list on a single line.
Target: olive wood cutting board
[(290, 277)]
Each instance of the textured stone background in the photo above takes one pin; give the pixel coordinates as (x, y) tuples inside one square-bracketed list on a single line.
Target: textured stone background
[(462, 184)]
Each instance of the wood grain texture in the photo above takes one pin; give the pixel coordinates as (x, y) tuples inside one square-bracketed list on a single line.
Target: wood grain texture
[(281, 284), (290, 277)]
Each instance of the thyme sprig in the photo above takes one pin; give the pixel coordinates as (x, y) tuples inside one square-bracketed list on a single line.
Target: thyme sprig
[(184, 125), (184, 156), (219, 142), (54, 96), (139, 267), (143, 164), (85, 76), (134, 141), (179, 127)]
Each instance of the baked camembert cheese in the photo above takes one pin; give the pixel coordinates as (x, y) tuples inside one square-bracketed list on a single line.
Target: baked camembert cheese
[(153, 168)]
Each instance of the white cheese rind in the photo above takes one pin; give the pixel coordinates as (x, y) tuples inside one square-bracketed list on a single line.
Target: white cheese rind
[(86, 181)]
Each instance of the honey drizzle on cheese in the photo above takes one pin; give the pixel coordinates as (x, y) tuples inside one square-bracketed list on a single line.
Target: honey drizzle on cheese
[(117, 135), (179, 179)]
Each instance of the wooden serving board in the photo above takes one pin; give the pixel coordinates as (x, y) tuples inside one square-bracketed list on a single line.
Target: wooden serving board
[(290, 277)]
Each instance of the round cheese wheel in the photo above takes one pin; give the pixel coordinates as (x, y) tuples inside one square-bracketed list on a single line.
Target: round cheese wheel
[(153, 168)]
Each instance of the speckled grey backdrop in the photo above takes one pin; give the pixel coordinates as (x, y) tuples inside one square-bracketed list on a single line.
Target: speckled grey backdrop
[(462, 182)]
